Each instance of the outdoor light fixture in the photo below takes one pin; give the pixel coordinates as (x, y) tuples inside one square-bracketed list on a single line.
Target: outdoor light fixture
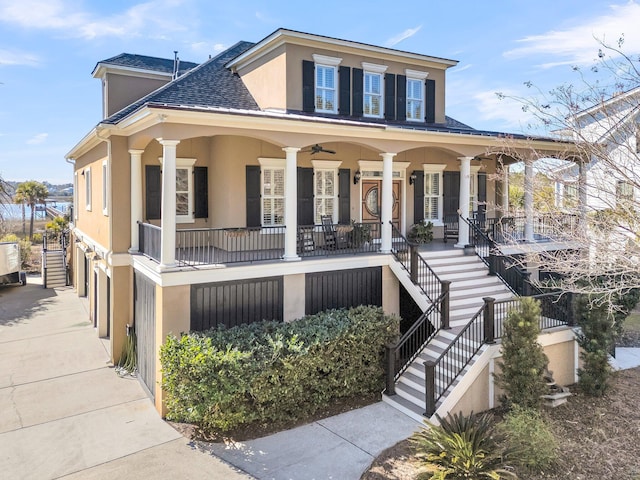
[(356, 177), (412, 178)]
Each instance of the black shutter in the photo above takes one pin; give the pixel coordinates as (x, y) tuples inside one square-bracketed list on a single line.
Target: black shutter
[(418, 196), (451, 194), (430, 101), (401, 98), (358, 87), (253, 196), (482, 193), (344, 196), (389, 96), (305, 196), (201, 192), (344, 81), (153, 193), (308, 86)]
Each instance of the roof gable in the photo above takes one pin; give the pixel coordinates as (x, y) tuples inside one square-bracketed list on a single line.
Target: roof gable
[(129, 61)]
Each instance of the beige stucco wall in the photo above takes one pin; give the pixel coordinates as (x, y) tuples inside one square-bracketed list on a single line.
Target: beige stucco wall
[(120, 211), (121, 308), (122, 90), (294, 296), (92, 222), (267, 80), (390, 292), (172, 318)]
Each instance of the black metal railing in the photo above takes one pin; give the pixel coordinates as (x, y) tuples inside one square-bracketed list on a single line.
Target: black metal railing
[(150, 240), (210, 246), (420, 272), (486, 326), (337, 239)]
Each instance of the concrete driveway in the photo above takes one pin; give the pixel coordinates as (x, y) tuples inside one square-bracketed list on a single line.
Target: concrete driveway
[(64, 413)]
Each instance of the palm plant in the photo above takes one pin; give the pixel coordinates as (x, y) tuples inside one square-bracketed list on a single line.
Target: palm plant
[(30, 193), (462, 447)]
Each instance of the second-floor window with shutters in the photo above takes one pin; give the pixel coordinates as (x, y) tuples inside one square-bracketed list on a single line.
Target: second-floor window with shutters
[(326, 89), (415, 100), (372, 94)]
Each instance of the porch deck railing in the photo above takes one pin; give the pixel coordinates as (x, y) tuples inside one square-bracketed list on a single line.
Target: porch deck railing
[(546, 226), (211, 246), (336, 239), (486, 326)]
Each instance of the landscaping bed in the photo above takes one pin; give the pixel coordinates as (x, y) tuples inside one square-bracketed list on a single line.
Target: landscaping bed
[(597, 438)]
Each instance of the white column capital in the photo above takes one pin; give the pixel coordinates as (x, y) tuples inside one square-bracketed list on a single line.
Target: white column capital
[(167, 143), (135, 152), (388, 155), (465, 159), (291, 150)]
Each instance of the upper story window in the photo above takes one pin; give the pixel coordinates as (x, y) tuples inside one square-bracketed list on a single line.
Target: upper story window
[(326, 83), (184, 189), (87, 188), (624, 193), (105, 188), (415, 95), (373, 104)]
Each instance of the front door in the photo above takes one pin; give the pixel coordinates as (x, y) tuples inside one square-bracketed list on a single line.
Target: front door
[(372, 201)]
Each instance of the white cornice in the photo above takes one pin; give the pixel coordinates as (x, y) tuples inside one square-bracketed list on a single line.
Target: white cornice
[(103, 68)]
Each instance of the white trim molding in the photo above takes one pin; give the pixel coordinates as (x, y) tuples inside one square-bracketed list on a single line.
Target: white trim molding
[(326, 60), (415, 74), (374, 67)]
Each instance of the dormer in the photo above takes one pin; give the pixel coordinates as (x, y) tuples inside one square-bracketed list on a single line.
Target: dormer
[(299, 72), (127, 78)]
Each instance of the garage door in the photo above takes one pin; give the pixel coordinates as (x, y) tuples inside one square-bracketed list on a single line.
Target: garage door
[(145, 321)]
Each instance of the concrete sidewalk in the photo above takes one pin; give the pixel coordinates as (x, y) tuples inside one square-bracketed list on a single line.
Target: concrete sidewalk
[(64, 411)]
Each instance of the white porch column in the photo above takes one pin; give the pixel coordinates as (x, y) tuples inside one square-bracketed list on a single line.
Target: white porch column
[(168, 222), (505, 191), (136, 198), (386, 207), (528, 200), (582, 196), (463, 203), (291, 204)]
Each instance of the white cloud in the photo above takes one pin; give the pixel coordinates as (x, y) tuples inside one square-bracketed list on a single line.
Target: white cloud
[(65, 16), (578, 45), (8, 57), (396, 39), (207, 47), (37, 139)]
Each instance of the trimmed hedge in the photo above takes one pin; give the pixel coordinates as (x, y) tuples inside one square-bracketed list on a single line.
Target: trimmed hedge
[(270, 372)]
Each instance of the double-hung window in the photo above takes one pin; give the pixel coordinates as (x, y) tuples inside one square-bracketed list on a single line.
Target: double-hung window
[(415, 95), (105, 188), (184, 190), (433, 192), (326, 83), (373, 90), (272, 189), (87, 188), (325, 189)]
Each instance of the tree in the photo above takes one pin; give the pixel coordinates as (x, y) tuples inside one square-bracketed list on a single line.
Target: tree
[(4, 199), (523, 361), (30, 193), (599, 114)]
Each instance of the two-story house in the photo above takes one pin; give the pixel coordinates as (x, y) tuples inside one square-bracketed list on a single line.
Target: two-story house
[(271, 181)]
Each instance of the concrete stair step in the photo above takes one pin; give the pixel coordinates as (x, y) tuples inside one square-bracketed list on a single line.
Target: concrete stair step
[(555, 399)]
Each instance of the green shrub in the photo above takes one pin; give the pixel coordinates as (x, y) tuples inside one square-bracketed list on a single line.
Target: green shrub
[(421, 232), (25, 248), (270, 372), (461, 447), (523, 360), (36, 238), (530, 442)]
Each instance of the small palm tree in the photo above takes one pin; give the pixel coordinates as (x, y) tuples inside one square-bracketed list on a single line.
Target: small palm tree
[(30, 193)]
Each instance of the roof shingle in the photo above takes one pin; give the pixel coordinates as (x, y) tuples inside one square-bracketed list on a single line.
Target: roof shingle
[(144, 62)]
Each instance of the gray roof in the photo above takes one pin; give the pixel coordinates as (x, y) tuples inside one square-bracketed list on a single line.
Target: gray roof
[(144, 62), (210, 84)]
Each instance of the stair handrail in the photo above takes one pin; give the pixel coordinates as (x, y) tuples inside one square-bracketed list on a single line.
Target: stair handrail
[(401, 354), (406, 253), (481, 330), (515, 278)]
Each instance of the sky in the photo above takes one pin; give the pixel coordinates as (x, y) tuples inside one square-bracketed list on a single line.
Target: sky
[(48, 48)]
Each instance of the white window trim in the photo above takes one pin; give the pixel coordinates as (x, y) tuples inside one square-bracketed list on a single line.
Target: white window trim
[(271, 163), (420, 77), (327, 62), (87, 188), (439, 169), (187, 163), (327, 165), (105, 188), (373, 69)]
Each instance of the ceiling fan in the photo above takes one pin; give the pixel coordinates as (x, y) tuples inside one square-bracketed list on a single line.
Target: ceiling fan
[(317, 148)]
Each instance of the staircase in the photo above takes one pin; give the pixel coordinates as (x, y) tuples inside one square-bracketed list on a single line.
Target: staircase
[(53, 269), (470, 283)]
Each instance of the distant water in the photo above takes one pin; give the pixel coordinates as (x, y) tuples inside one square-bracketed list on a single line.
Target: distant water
[(10, 211)]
